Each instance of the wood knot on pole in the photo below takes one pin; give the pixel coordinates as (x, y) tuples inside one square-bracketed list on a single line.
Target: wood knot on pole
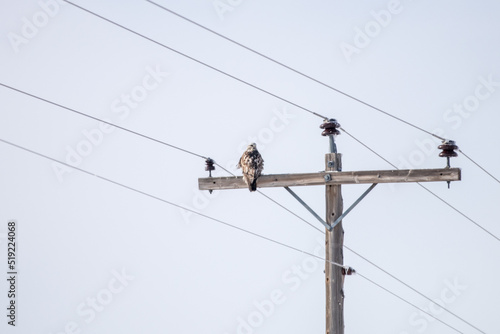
[(330, 127)]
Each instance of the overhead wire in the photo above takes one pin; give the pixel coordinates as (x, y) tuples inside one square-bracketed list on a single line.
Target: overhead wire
[(322, 83), (403, 283), (407, 302), (427, 189), (460, 212), (414, 290), (291, 68), (223, 223), (195, 60), (478, 165), (111, 124), (169, 202)]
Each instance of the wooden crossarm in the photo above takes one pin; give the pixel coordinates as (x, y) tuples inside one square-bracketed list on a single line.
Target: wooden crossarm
[(320, 178)]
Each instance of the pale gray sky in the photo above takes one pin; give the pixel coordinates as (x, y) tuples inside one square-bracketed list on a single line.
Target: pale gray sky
[(97, 258)]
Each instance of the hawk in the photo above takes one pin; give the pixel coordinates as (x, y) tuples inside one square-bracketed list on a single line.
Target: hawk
[(251, 164)]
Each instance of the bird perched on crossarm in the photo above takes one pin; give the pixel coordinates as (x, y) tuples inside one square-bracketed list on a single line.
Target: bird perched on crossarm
[(251, 164)]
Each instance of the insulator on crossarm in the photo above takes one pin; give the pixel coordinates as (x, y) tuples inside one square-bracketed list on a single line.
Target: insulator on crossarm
[(209, 167), (330, 127), (448, 147)]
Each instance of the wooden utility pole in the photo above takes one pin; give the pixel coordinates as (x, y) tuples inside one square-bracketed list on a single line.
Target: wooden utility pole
[(332, 178), (334, 243)]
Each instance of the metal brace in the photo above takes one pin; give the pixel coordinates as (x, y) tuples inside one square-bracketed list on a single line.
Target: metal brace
[(339, 219), (308, 208)]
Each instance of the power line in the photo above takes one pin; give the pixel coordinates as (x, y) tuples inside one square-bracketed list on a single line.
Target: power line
[(310, 78), (292, 69), (201, 156), (196, 60), (170, 203), (367, 147), (427, 189), (414, 290), (406, 301), (111, 124), (459, 212), (101, 120), (478, 165), (404, 283), (223, 223)]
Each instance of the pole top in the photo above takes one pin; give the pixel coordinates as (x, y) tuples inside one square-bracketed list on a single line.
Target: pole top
[(330, 127)]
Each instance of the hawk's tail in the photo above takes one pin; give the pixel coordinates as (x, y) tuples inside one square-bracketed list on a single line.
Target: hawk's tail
[(253, 186)]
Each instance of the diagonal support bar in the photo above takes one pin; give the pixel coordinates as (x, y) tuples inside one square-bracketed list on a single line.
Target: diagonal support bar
[(307, 207), (339, 219)]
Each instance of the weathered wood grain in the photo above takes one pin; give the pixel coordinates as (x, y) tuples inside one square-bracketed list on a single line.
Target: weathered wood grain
[(355, 177), (334, 243)]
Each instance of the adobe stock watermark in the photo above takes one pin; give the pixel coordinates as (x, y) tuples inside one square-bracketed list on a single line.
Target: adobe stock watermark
[(92, 306), (291, 280), (420, 321), (281, 118), (121, 108), (455, 116), (32, 25), (222, 7), (364, 36)]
